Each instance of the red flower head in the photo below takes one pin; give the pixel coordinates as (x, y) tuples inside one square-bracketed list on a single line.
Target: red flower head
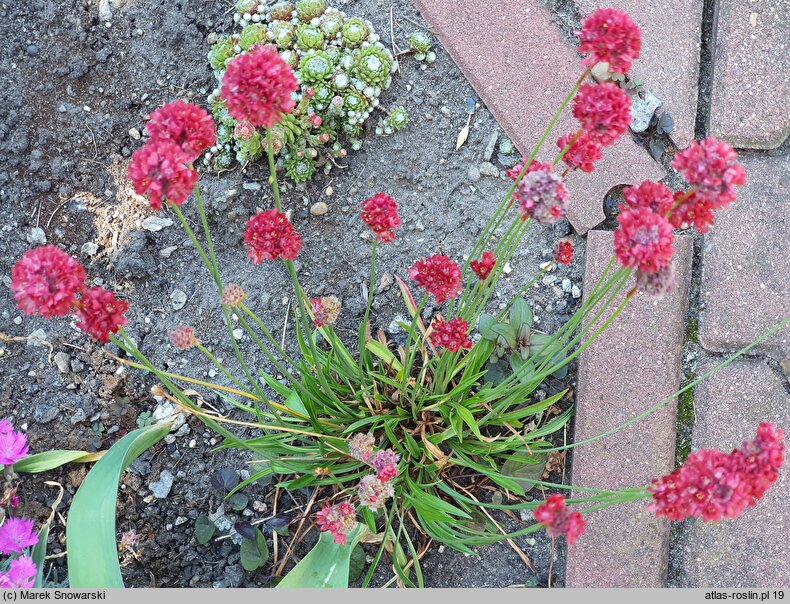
[(512, 173), (609, 35), (270, 235), (380, 213), (652, 195), (604, 112), (693, 210), (762, 458), (101, 313), (46, 280), (452, 335), (559, 520), (712, 168), (658, 283), (159, 169), (183, 337), (439, 275), (257, 86), (563, 252), (582, 153), (385, 462), (184, 124), (337, 519), (483, 267), (542, 196), (326, 310), (645, 240)]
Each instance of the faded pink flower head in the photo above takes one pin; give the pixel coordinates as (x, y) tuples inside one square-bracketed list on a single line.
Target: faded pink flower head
[(337, 519), (483, 267), (158, 169), (542, 196), (452, 335), (16, 534), (712, 168), (604, 111), (645, 240), (439, 275), (101, 313), (385, 462), (380, 213), (582, 153), (21, 574), (361, 446), (13, 447), (46, 281), (233, 295), (512, 173), (373, 492), (609, 35), (325, 309), (257, 86), (270, 235), (559, 520), (183, 337), (658, 283), (184, 124)]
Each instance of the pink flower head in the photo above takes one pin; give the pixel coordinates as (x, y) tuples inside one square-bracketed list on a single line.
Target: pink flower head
[(326, 310), (652, 195), (512, 173), (13, 447), (184, 124), (542, 196), (604, 111), (762, 458), (558, 519), (21, 574), (46, 280), (183, 337), (712, 168), (582, 153), (452, 335), (380, 213), (337, 519), (439, 275), (101, 313), (693, 210), (158, 169), (373, 492), (233, 295), (645, 240), (257, 86), (270, 235), (385, 462), (563, 252), (361, 446), (16, 534), (658, 283), (610, 36), (483, 267)]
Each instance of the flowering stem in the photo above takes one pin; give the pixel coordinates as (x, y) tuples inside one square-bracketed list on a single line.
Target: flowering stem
[(363, 354), (209, 241), (271, 339), (195, 242), (273, 170), (219, 365), (412, 350)]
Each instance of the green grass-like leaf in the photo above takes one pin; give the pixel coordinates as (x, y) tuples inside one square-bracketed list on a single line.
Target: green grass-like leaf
[(49, 460)]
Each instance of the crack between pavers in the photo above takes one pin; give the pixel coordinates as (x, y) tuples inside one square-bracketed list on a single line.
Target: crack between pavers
[(707, 59)]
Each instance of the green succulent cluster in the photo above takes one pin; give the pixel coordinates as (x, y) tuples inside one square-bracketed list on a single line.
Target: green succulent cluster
[(397, 119), (420, 44), (342, 69)]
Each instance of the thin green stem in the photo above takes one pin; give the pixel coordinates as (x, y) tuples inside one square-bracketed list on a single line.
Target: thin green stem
[(220, 366), (363, 353)]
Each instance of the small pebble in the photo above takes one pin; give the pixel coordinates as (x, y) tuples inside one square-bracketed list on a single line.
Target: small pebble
[(156, 223), (134, 134), (576, 292), (489, 169), (319, 208), (36, 236), (178, 299)]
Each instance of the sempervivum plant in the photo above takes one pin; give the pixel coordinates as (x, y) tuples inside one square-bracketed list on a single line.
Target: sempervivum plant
[(341, 68)]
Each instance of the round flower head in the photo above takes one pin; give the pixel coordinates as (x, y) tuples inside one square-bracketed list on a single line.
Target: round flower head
[(380, 213), (326, 310), (483, 267), (13, 447), (101, 313), (257, 86), (652, 195), (452, 335), (610, 36), (439, 275), (385, 462), (158, 169), (338, 520), (183, 337), (712, 168), (604, 111), (582, 153), (645, 240), (559, 520), (373, 492), (512, 173), (270, 235), (563, 252), (693, 210), (361, 446), (46, 280), (658, 283), (233, 295), (184, 124), (542, 196), (16, 534), (761, 459), (21, 574)]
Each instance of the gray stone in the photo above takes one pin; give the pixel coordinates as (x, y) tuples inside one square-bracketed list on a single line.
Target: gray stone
[(36, 236), (161, 488), (491, 146), (642, 110), (62, 361), (156, 223), (178, 299), (489, 169), (234, 575)]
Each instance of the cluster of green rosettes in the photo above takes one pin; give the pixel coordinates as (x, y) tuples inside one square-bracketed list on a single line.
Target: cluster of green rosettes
[(342, 70)]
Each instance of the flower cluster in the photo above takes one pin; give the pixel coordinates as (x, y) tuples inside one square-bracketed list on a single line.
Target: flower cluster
[(270, 235), (325, 309), (337, 519), (47, 281), (185, 125), (512, 173), (16, 536), (610, 36), (542, 196), (13, 444), (452, 335), (645, 240), (604, 112), (582, 151), (713, 485), (439, 275), (233, 295), (483, 267), (380, 213), (559, 519), (183, 337), (563, 252)]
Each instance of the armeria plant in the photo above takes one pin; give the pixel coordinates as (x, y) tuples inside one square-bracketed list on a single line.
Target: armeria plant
[(410, 441)]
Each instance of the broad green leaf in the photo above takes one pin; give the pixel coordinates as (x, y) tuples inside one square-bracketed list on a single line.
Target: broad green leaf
[(49, 460), (520, 313), (204, 529), (326, 565), (507, 332), (90, 529), (294, 403), (484, 325), (254, 552), (525, 466), (497, 372), (356, 563), (468, 419), (525, 370), (385, 354)]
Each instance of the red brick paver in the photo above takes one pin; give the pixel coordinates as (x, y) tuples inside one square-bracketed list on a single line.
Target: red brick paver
[(751, 63), (669, 64), (514, 57), (746, 272), (753, 550), (635, 363)]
